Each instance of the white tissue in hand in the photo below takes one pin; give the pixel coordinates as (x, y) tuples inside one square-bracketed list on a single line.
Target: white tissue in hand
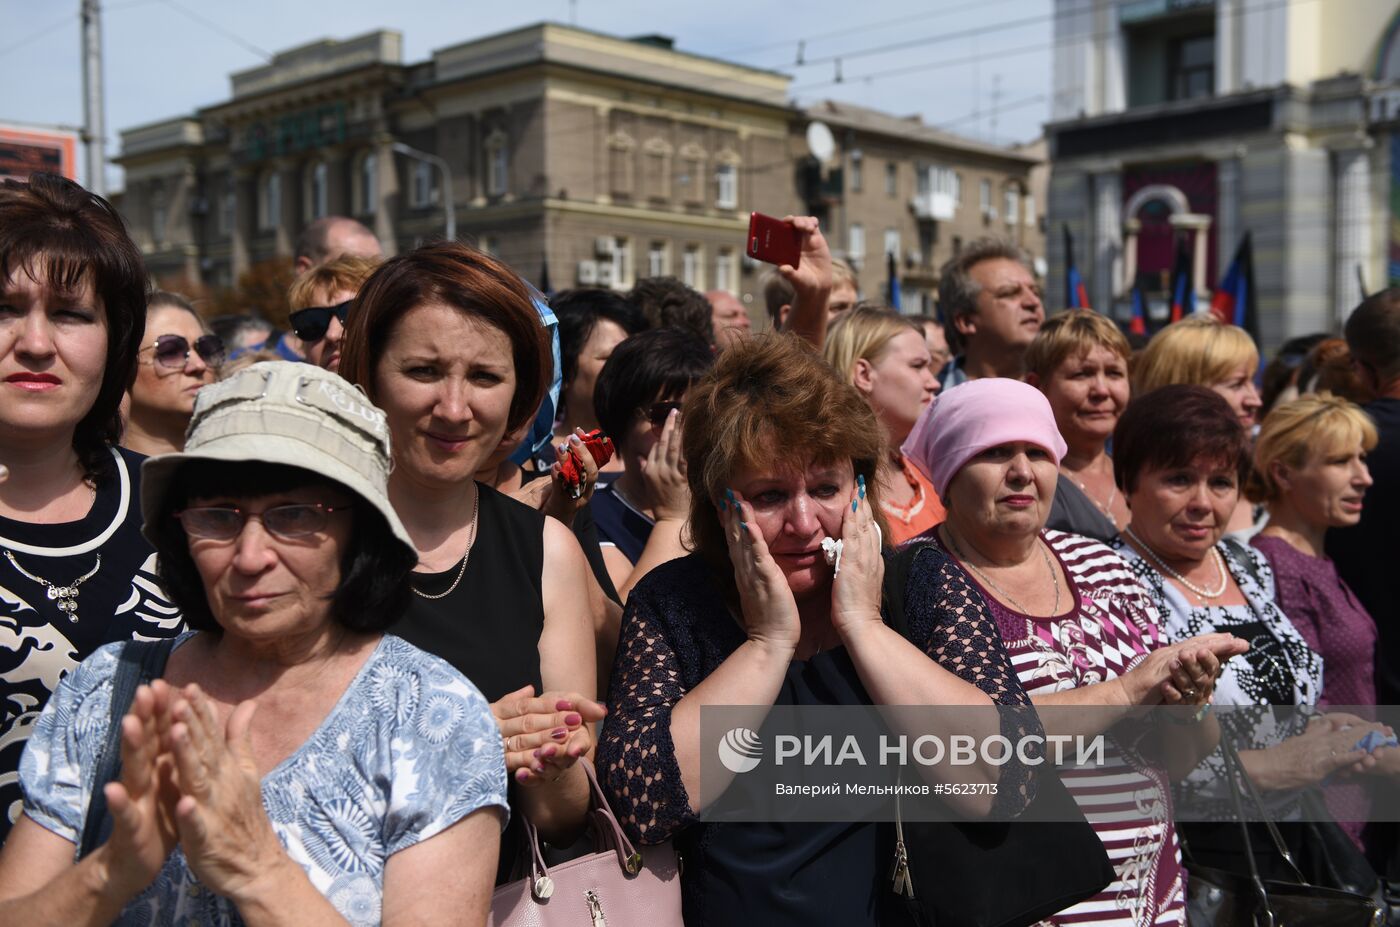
[(831, 549)]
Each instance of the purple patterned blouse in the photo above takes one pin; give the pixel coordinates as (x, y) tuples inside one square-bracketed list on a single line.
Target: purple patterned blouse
[(1329, 618)]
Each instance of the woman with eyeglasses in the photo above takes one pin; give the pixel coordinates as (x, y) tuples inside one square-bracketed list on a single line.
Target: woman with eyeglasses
[(320, 301), (290, 762), (447, 341), (75, 572), (179, 358), (642, 514)]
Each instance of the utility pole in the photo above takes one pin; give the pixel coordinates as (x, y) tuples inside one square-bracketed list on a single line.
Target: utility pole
[(94, 128)]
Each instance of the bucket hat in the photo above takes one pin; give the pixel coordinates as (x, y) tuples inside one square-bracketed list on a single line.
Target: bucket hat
[(285, 413)]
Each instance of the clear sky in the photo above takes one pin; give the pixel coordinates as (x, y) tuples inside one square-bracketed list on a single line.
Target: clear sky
[(954, 62)]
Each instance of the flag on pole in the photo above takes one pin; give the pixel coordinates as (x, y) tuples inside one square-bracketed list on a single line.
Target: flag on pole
[(892, 268), (1138, 324), (1233, 302), (1183, 292), (1077, 295)]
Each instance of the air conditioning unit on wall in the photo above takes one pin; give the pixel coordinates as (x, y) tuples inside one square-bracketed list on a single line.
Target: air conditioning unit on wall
[(604, 246), (588, 273)]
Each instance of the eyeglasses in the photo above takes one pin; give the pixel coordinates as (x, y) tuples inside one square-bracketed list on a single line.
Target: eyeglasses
[(288, 522), (173, 351), (311, 324), (656, 412)]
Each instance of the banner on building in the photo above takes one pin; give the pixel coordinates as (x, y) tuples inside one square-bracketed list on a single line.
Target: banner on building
[(26, 150)]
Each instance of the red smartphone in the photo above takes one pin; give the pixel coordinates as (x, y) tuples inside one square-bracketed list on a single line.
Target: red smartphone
[(773, 240)]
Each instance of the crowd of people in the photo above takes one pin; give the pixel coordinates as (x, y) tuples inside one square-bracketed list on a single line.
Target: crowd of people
[(360, 612)]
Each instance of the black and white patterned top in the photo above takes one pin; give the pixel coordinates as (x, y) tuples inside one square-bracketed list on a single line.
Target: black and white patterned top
[(39, 643), (1280, 669)]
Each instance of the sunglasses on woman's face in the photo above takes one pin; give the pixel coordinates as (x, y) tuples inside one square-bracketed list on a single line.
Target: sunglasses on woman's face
[(311, 324), (173, 351), (656, 412)]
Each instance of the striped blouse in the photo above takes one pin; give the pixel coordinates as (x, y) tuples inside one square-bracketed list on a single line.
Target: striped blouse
[(1111, 624)]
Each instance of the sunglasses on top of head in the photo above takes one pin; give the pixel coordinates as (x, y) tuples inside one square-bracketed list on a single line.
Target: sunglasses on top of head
[(311, 324), (173, 351)]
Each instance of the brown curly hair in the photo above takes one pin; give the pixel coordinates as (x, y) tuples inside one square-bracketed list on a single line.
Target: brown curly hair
[(770, 402)]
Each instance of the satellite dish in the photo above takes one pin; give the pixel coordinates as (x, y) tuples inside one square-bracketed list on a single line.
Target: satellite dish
[(820, 142)]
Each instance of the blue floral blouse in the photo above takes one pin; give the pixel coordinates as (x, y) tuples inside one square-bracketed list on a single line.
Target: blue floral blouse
[(410, 749)]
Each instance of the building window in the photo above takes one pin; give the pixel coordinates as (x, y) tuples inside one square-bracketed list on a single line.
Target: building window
[(497, 164), (621, 263), (228, 208), (420, 185), (1030, 209), (935, 179), (314, 206), (269, 200), (892, 178), (724, 270), (857, 170), (159, 214), (620, 165), (727, 187), (984, 198), (855, 243), (367, 184), (693, 173), (892, 242), (489, 245), (1191, 67), (692, 267), (656, 170), (1013, 205), (656, 259)]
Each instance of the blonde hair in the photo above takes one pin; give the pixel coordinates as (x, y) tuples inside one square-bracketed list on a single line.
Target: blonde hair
[(347, 272), (1293, 432), (1070, 334), (862, 334), (841, 272), (1199, 351)]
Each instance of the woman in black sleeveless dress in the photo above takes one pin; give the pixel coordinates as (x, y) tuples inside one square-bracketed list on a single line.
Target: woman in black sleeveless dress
[(447, 341)]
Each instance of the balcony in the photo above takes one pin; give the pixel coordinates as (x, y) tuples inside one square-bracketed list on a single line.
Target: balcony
[(932, 206)]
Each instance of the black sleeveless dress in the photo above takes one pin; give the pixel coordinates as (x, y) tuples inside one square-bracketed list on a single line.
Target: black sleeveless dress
[(489, 626)]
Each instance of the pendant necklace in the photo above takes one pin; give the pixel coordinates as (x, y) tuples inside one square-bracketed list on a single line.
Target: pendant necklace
[(67, 596), (1200, 591)]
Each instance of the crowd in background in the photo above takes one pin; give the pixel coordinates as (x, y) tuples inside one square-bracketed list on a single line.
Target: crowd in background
[(398, 606)]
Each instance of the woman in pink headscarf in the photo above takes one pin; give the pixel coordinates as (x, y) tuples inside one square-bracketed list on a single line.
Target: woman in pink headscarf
[(1078, 627)]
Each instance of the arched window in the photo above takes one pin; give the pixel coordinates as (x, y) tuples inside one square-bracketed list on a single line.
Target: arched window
[(497, 164), (315, 206), (366, 184), (269, 200)]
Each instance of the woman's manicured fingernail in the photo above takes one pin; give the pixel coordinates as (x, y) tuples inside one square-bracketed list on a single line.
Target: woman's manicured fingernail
[(729, 494), (536, 754), (743, 526), (860, 482), (559, 733), (522, 774), (563, 705), (855, 503), (573, 719)]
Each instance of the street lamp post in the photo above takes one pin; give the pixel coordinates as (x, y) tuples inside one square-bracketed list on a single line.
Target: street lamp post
[(449, 204)]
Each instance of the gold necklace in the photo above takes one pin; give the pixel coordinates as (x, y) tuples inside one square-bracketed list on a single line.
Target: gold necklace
[(461, 570), (1157, 561), (1054, 576), (1106, 508)]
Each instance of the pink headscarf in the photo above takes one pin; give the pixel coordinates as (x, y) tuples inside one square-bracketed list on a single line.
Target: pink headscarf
[(979, 414)]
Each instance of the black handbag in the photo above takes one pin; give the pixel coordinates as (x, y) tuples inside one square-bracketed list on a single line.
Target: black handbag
[(955, 874), (1216, 898)]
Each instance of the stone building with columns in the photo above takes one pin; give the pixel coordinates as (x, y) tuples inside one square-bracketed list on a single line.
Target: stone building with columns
[(1203, 119), (597, 158)]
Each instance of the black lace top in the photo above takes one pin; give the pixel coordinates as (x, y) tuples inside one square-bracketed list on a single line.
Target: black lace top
[(676, 630)]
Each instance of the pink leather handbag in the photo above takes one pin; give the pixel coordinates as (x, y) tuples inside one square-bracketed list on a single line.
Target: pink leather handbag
[(615, 886)]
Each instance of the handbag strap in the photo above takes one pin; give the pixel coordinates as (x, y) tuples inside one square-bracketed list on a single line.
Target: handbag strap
[(605, 822), (1239, 778), (138, 663)]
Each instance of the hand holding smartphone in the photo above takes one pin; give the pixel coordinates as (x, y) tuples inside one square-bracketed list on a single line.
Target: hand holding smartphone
[(773, 240)]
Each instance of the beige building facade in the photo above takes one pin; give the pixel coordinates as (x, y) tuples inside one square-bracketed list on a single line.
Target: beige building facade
[(578, 158)]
